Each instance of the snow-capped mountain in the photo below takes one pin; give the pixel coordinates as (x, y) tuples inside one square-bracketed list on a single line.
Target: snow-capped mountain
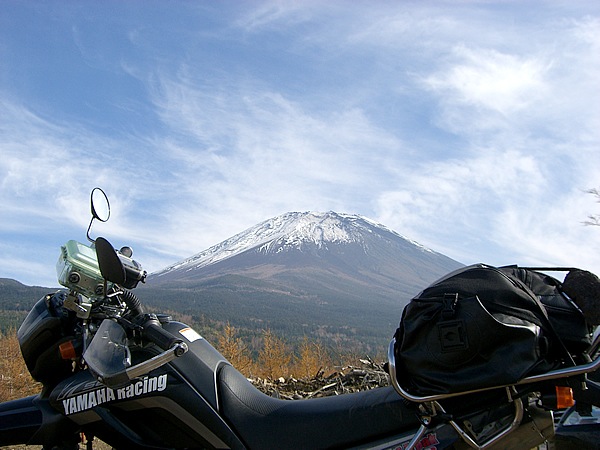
[(301, 231), (304, 273)]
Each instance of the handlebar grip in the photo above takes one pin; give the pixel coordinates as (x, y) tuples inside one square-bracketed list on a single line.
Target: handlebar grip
[(154, 332)]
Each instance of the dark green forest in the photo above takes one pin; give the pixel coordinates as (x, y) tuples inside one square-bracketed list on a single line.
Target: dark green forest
[(16, 300), (341, 325)]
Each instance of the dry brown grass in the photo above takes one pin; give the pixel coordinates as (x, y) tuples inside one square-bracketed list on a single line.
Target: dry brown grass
[(15, 380)]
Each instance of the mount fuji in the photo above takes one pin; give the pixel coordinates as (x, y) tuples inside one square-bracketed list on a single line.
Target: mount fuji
[(329, 274)]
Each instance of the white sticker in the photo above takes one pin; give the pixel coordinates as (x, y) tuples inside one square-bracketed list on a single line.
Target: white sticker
[(190, 334)]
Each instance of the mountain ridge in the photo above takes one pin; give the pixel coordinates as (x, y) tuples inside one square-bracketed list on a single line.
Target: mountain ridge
[(289, 231)]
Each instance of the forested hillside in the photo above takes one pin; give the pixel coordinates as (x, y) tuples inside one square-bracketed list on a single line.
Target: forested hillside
[(16, 300)]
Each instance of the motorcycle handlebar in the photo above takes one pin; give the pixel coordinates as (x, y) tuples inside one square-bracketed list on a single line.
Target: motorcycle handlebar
[(155, 333)]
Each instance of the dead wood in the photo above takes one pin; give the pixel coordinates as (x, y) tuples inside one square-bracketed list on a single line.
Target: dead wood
[(344, 380)]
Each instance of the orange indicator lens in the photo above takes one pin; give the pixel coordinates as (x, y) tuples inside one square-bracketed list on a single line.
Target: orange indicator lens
[(564, 397), (67, 350)]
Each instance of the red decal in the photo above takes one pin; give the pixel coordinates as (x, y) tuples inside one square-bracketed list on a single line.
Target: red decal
[(429, 442)]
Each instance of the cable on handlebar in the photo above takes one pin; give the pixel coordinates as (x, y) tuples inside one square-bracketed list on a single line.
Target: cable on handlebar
[(133, 303)]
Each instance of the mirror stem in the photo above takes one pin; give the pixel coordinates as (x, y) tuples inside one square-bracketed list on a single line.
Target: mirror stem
[(88, 231)]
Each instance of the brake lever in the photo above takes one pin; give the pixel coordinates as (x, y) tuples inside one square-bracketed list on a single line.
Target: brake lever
[(177, 350)]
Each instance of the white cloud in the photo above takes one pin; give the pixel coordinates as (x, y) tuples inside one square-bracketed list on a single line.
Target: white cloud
[(456, 189), (273, 13), (491, 80)]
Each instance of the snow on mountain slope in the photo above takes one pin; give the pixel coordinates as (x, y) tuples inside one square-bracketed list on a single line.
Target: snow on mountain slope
[(291, 231)]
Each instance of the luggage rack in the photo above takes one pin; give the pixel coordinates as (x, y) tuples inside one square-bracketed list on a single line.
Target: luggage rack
[(552, 375), (435, 408)]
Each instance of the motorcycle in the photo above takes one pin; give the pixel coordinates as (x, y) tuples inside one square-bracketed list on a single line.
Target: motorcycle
[(112, 371)]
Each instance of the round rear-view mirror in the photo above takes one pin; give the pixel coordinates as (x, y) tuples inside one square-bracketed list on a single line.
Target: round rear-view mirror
[(100, 205)]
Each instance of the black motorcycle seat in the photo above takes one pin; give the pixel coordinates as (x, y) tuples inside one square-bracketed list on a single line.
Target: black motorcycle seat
[(264, 422)]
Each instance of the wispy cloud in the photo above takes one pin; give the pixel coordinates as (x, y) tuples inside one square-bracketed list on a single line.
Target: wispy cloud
[(490, 81), (253, 153), (440, 121)]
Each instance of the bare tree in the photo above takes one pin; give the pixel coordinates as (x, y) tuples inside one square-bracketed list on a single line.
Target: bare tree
[(275, 357), (311, 360), (234, 349), (593, 219)]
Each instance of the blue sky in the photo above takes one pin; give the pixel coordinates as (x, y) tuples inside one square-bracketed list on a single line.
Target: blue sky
[(471, 127)]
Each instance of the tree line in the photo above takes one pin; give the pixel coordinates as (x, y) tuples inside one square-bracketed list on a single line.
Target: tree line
[(275, 358)]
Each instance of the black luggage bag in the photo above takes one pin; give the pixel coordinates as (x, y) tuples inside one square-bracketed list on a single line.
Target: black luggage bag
[(482, 326)]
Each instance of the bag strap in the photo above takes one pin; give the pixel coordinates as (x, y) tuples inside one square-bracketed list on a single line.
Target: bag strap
[(542, 309)]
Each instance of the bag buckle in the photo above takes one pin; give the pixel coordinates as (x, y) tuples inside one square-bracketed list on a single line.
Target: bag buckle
[(449, 303)]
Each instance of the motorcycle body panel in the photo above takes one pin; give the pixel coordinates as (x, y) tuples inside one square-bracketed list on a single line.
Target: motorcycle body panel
[(163, 409), (43, 330), (200, 364), (19, 420), (32, 420), (191, 402)]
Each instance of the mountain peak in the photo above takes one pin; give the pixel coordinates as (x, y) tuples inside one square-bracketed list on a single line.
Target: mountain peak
[(292, 231)]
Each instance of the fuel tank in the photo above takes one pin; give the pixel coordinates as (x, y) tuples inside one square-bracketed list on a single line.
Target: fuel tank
[(175, 405)]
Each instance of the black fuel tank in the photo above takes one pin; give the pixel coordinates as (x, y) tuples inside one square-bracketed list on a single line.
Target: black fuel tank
[(175, 405)]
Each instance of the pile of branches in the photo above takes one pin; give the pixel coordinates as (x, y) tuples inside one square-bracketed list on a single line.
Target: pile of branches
[(368, 375)]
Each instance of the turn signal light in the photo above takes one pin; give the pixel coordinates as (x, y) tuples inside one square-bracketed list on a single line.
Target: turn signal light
[(564, 397), (67, 350)]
